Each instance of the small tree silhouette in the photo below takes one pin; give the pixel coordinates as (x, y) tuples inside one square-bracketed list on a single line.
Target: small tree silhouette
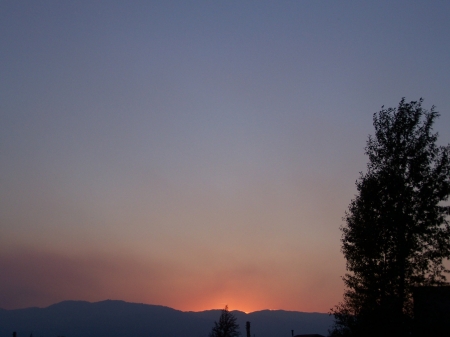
[(227, 326)]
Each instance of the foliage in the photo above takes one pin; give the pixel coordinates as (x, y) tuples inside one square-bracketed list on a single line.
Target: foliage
[(227, 326), (396, 233)]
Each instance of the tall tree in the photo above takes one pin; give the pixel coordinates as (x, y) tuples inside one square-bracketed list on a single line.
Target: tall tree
[(227, 325), (396, 233)]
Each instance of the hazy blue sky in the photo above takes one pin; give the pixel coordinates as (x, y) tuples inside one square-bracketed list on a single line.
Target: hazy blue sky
[(197, 153)]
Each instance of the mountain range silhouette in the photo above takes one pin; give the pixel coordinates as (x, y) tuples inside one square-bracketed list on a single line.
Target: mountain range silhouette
[(113, 318)]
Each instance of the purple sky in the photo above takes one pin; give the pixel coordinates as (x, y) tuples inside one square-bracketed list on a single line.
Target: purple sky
[(197, 153)]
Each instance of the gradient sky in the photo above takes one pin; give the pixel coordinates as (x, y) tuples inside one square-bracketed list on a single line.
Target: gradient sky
[(197, 153)]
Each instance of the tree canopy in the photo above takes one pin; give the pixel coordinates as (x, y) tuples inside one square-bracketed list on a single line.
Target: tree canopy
[(396, 233), (227, 325)]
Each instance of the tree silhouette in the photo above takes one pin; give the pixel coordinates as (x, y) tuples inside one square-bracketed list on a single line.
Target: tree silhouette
[(227, 326), (397, 232)]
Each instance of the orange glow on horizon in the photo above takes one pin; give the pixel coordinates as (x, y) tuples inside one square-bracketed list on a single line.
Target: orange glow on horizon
[(244, 305)]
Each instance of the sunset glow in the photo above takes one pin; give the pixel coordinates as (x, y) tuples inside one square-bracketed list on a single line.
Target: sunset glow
[(197, 154)]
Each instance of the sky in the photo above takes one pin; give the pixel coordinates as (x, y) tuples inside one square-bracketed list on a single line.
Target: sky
[(194, 154)]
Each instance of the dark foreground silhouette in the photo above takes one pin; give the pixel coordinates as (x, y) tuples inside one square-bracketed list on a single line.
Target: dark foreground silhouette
[(122, 319), (397, 231)]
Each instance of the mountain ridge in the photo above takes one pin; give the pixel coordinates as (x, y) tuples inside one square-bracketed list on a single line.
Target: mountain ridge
[(117, 318)]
